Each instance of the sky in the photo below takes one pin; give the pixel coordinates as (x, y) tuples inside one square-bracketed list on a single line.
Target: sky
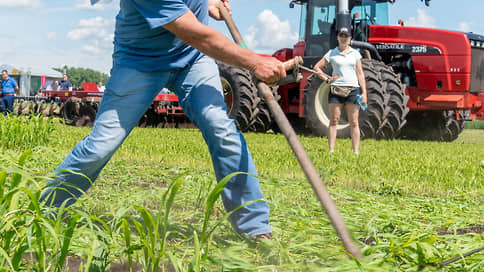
[(52, 33)]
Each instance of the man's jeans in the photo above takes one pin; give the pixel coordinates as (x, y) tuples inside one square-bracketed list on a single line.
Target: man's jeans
[(128, 94), (7, 104)]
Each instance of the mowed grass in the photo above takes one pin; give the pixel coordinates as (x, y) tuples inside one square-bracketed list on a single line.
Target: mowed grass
[(409, 167), (408, 204)]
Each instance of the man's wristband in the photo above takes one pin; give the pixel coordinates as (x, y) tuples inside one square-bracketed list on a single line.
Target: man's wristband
[(328, 80)]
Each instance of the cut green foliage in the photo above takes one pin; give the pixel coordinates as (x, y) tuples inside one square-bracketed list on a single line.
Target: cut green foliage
[(155, 207)]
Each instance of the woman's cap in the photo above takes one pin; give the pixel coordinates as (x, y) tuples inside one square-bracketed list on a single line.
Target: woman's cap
[(344, 30)]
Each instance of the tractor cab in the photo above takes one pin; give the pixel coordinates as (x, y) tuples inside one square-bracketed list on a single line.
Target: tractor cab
[(319, 22)]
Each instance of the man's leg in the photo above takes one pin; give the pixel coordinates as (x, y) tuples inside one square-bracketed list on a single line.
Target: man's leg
[(3, 105), (9, 103), (128, 94), (200, 93)]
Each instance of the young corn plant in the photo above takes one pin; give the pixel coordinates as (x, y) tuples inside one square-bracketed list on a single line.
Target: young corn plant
[(28, 239), (152, 230), (24, 132), (201, 245)]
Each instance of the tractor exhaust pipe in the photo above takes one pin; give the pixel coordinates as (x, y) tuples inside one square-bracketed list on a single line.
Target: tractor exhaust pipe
[(370, 47), (312, 175), (343, 15)]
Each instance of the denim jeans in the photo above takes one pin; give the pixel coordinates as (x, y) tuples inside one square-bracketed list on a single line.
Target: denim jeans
[(7, 104), (127, 96)]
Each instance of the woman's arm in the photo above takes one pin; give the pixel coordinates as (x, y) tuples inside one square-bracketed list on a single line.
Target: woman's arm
[(361, 80), (318, 67)]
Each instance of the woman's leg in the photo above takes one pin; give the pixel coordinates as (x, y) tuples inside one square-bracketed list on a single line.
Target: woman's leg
[(352, 110), (335, 114)]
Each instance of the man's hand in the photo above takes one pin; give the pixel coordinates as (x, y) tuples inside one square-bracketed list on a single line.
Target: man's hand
[(269, 69), (214, 11)]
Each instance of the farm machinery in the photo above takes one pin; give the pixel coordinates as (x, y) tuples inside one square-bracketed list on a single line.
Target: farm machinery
[(421, 83), (79, 107)]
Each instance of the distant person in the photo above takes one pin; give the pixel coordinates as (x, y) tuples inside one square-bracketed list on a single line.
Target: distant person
[(56, 86), (347, 82), (100, 86), (8, 89), (65, 84)]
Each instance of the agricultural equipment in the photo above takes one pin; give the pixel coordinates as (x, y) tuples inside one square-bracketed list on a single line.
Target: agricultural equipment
[(79, 107), (421, 83)]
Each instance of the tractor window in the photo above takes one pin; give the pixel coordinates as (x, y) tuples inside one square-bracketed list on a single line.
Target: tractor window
[(323, 18), (319, 21), (369, 13), (302, 25)]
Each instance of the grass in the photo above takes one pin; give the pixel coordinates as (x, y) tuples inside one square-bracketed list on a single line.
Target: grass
[(408, 205), (477, 124)]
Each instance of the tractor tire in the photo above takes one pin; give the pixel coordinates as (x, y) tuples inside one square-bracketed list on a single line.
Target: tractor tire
[(316, 107), (396, 109), (87, 115), (442, 126), (71, 110), (240, 94), (262, 120)]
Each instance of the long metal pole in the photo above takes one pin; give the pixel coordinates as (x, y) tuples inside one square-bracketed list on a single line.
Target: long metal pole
[(303, 158)]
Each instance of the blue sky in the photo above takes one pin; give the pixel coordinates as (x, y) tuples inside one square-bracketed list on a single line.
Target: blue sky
[(51, 33)]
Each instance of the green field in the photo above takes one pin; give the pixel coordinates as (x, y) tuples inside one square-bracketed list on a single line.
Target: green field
[(408, 205)]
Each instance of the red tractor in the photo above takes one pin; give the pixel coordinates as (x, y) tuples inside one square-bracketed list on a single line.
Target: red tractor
[(421, 83)]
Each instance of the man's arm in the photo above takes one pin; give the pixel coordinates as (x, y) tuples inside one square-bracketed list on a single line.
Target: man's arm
[(15, 85), (214, 44)]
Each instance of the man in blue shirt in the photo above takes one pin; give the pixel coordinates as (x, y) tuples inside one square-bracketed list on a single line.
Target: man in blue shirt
[(65, 84), (9, 86), (168, 44)]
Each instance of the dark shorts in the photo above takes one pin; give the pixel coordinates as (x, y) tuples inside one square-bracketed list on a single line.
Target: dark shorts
[(351, 99)]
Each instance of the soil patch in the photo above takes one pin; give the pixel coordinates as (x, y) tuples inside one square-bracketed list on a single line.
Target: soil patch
[(469, 229)]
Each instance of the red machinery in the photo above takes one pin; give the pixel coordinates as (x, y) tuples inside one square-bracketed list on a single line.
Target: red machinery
[(422, 83), (79, 107)]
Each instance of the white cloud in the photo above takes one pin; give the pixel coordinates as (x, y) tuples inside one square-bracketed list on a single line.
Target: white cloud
[(51, 36), (465, 26), (95, 35), (101, 5), (422, 20), (20, 3), (93, 48), (270, 34), (96, 28), (86, 5)]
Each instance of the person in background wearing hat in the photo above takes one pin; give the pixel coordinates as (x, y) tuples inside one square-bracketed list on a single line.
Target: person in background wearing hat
[(8, 88), (347, 72)]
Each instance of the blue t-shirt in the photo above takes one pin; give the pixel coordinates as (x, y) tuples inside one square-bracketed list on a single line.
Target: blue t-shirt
[(8, 85), (65, 85), (140, 41)]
